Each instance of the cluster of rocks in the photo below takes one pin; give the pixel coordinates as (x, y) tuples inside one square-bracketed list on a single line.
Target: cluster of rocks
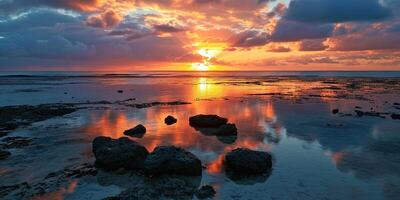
[(50, 183), (156, 103), (114, 154), (214, 125), (12, 117), (360, 113)]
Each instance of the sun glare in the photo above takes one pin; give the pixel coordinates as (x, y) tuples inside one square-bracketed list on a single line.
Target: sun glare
[(200, 66), (207, 54)]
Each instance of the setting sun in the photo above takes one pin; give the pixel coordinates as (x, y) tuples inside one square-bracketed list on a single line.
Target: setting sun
[(200, 66), (207, 53)]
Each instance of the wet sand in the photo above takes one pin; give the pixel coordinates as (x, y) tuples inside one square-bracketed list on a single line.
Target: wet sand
[(318, 152)]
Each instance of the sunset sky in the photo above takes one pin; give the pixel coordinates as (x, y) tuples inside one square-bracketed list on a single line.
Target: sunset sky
[(134, 35)]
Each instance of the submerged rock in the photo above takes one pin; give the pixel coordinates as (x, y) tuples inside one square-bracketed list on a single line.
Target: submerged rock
[(169, 120), (369, 113), (15, 142), (161, 188), (206, 191), (4, 154), (246, 161), (395, 116), (112, 154), (172, 160), (207, 121), (335, 111), (11, 117), (136, 131), (52, 182), (156, 103)]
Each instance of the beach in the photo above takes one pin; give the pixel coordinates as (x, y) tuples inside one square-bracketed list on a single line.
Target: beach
[(332, 135)]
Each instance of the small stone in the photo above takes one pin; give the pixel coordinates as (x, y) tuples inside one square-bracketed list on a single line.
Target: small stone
[(335, 111), (120, 91), (395, 116), (169, 120), (136, 131), (206, 191)]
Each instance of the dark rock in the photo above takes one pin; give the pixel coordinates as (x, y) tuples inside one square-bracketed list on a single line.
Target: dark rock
[(246, 161), (10, 125), (51, 183), (206, 191), (359, 113), (369, 113), (172, 160), (112, 154), (15, 142), (169, 120), (396, 104), (335, 111), (358, 107), (136, 131), (3, 133), (207, 121), (161, 188), (395, 116), (147, 105), (11, 117), (226, 130), (227, 139), (335, 125), (120, 91), (4, 154)]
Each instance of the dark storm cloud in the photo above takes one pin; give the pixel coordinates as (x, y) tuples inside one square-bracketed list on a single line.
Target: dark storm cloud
[(333, 11), (360, 37), (63, 38), (12, 6), (249, 38), (288, 31), (36, 18), (167, 28), (313, 45), (108, 19)]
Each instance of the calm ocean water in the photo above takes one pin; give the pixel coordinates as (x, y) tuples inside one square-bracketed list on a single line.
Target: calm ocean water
[(210, 73), (317, 154)]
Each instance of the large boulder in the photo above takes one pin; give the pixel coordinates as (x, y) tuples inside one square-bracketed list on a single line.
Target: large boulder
[(246, 161), (207, 121), (112, 154), (172, 160), (226, 130), (137, 131)]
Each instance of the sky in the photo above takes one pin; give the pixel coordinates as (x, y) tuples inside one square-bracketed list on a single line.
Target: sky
[(132, 35)]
